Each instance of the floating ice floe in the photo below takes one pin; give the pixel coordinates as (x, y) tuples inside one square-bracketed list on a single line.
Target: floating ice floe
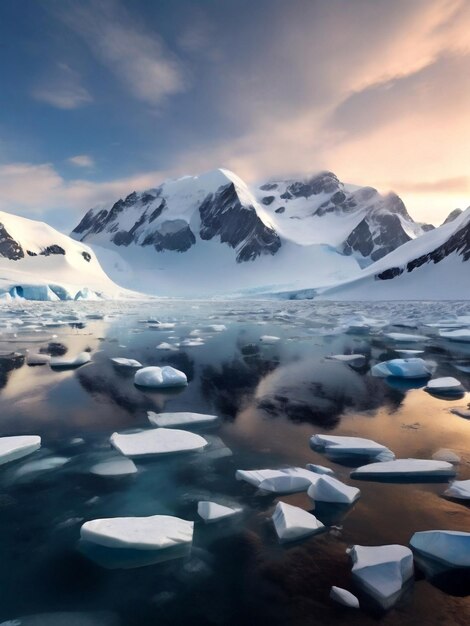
[(288, 480), (215, 328), (462, 335), (354, 360), (63, 362), (155, 377), (269, 339), (447, 385), (213, 512), (157, 441), (344, 597), (405, 468), (337, 447), (406, 338), (172, 420), (167, 347), (319, 469), (408, 353), (162, 326), (382, 571), (459, 489), (13, 448), (37, 359), (444, 454), (192, 342), (155, 532), (451, 548), (329, 489), (402, 368), (293, 523), (114, 468), (42, 465), (122, 362), (461, 412)]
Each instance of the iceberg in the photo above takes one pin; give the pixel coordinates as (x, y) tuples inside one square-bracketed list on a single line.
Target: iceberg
[(450, 548), (292, 523), (122, 362), (459, 489), (382, 571), (157, 441), (344, 597), (62, 362), (172, 420), (337, 447), (114, 468), (402, 368), (405, 468), (155, 377), (155, 532), (213, 512), (14, 448), (288, 480), (329, 489)]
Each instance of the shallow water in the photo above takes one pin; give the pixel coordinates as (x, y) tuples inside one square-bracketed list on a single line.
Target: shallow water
[(271, 399)]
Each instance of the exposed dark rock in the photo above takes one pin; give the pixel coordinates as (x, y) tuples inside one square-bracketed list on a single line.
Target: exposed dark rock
[(223, 215), (31, 253), (280, 210), (452, 216), (173, 235), (86, 256), (325, 182), (54, 249), (9, 248), (269, 186), (267, 200), (390, 273), (158, 211), (360, 240)]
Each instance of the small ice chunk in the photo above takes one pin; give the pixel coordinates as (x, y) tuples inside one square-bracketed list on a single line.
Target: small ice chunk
[(172, 420), (155, 377), (449, 547), (155, 532), (213, 512), (192, 342), (412, 468), (167, 347), (63, 362), (122, 362), (13, 448), (355, 360), (319, 469), (162, 326), (337, 446), (43, 465), (459, 489), (406, 338), (329, 489), (114, 467), (402, 368), (344, 597), (293, 523), (462, 335), (215, 328), (444, 454), (408, 353), (157, 441), (269, 339), (445, 385), (288, 480), (382, 571)]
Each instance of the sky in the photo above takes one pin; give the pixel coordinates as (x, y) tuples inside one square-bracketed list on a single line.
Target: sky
[(102, 97)]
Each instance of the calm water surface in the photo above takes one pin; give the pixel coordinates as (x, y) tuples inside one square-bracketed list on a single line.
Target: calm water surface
[(271, 399)]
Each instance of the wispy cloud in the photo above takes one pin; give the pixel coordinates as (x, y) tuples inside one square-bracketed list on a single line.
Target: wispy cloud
[(62, 88), (81, 160), (137, 56)]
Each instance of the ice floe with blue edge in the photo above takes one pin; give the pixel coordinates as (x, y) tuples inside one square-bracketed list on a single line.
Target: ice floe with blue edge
[(449, 547), (160, 377), (402, 368)]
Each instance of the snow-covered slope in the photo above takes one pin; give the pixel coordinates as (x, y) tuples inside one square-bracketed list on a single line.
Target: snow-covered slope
[(39, 263), (200, 235), (434, 267)]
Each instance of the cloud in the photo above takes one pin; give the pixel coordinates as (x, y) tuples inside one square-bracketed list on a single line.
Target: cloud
[(81, 160), (459, 184), (62, 89), (138, 57)]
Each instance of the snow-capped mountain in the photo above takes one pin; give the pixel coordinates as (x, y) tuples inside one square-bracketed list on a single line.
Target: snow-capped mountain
[(434, 267), (212, 233), (39, 263)]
